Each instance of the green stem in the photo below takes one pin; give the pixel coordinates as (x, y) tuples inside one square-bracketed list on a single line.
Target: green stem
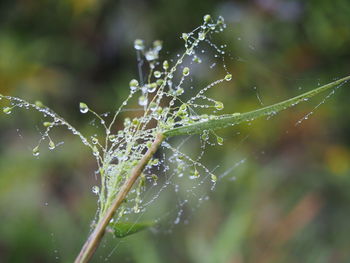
[(95, 238)]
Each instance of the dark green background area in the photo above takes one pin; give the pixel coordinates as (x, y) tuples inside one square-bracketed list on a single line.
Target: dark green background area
[(289, 200)]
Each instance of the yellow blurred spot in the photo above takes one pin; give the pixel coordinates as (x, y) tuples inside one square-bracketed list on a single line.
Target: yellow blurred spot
[(338, 159), (80, 6)]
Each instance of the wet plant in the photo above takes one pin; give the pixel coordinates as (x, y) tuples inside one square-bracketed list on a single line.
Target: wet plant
[(125, 158)]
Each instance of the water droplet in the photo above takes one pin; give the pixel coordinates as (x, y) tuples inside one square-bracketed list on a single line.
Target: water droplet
[(213, 178), (133, 84), (157, 74), (153, 106), (151, 55), (52, 145), (157, 45), (83, 107), (228, 77), (95, 189), (185, 36), (201, 35), (220, 140), (196, 173), (160, 82), (136, 209), (39, 104), (47, 124), (165, 65), (186, 71), (152, 87), (139, 44), (112, 138), (205, 136), (207, 18), (197, 60), (219, 105), (36, 151), (94, 140), (95, 151), (135, 122), (143, 100), (179, 91), (7, 110)]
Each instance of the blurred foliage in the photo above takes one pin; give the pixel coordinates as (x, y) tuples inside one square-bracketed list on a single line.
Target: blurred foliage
[(287, 202)]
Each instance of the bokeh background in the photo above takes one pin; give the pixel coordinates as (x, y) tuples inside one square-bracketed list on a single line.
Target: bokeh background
[(286, 200)]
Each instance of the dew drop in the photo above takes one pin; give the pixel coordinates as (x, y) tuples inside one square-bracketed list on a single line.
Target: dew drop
[(83, 107), (201, 35), (95, 151), (152, 87), (185, 36), (165, 64), (36, 151), (143, 100), (228, 77), (157, 45), (133, 84), (112, 138), (160, 82), (207, 18), (157, 74), (197, 60), (47, 124), (205, 136), (186, 71), (139, 44), (94, 140), (151, 55), (153, 106), (179, 91), (220, 140), (95, 189), (7, 110), (39, 104), (52, 145), (219, 105)]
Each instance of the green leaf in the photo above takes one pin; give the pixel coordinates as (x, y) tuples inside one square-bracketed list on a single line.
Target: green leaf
[(123, 229), (222, 121)]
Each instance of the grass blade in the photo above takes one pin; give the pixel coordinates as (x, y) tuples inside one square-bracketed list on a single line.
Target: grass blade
[(227, 120)]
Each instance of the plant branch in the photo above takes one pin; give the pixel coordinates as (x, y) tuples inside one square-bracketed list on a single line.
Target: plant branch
[(217, 122), (95, 237)]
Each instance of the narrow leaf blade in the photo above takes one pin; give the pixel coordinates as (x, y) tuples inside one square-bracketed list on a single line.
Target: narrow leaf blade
[(223, 121)]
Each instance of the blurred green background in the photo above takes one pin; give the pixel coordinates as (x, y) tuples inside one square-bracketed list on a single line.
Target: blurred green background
[(287, 198)]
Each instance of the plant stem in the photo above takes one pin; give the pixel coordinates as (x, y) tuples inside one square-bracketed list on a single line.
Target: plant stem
[(95, 237)]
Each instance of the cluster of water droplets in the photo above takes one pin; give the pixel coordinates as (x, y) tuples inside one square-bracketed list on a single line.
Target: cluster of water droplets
[(163, 97), (53, 120)]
